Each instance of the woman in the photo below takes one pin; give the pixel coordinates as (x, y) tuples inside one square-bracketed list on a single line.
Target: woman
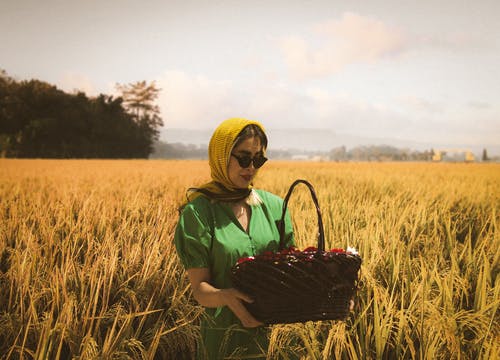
[(224, 220)]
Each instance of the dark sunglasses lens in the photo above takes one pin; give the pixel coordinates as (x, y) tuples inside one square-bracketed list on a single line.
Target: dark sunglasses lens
[(244, 161), (259, 161)]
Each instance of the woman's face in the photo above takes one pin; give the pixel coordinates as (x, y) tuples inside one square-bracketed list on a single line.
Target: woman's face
[(242, 177)]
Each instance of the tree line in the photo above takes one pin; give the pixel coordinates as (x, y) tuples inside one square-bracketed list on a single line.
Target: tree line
[(39, 120), (379, 153), (163, 150)]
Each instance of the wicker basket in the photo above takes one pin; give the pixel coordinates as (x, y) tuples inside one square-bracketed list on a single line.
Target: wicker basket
[(296, 286)]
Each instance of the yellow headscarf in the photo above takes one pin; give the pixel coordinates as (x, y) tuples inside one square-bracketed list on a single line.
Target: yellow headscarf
[(219, 152)]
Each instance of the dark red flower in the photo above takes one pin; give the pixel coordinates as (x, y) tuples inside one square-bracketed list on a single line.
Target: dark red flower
[(310, 249), (245, 259)]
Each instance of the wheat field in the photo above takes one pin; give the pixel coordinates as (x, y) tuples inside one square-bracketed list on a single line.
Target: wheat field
[(88, 269)]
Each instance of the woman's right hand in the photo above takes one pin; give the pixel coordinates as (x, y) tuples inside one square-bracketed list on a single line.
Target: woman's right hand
[(212, 297), (233, 299)]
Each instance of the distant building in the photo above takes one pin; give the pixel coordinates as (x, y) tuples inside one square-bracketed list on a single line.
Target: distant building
[(300, 157), (453, 155)]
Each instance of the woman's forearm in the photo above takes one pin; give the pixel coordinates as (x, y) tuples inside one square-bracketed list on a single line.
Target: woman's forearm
[(208, 295)]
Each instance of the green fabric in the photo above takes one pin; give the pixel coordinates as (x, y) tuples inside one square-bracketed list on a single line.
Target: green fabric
[(209, 235)]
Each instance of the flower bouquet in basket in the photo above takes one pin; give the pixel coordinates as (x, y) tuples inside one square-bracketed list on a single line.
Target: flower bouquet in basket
[(296, 286)]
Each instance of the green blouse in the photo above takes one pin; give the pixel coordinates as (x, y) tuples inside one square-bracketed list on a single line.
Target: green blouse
[(208, 235)]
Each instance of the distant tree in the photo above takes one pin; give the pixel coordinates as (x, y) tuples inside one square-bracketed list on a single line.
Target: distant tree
[(164, 150), (379, 153), (5, 123), (139, 99), (39, 120), (338, 153), (428, 154), (485, 156)]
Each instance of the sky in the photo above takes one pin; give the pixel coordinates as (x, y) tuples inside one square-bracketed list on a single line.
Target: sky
[(421, 71)]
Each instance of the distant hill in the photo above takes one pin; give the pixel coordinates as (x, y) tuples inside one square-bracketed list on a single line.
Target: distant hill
[(320, 140)]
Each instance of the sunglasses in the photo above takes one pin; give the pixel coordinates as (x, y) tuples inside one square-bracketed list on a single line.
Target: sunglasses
[(245, 161)]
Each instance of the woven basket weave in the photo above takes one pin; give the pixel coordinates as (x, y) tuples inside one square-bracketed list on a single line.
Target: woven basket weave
[(296, 286)]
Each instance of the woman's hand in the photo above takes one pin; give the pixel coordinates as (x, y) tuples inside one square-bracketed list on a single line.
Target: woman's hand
[(209, 296), (234, 300)]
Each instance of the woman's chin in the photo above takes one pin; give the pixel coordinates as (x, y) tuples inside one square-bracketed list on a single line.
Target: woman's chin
[(243, 182)]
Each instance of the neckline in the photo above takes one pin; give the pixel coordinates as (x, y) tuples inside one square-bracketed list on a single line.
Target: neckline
[(234, 219)]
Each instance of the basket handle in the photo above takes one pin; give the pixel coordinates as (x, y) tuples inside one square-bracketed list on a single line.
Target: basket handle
[(281, 224)]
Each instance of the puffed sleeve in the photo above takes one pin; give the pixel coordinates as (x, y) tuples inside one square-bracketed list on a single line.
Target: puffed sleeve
[(193, 238)]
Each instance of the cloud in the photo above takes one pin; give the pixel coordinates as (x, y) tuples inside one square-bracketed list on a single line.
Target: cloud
[(423, 105), (455, 41), (479, 105), (198, 102), (188, 101), (252, 61), (73, 82), (335, 44), (346, 114)]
